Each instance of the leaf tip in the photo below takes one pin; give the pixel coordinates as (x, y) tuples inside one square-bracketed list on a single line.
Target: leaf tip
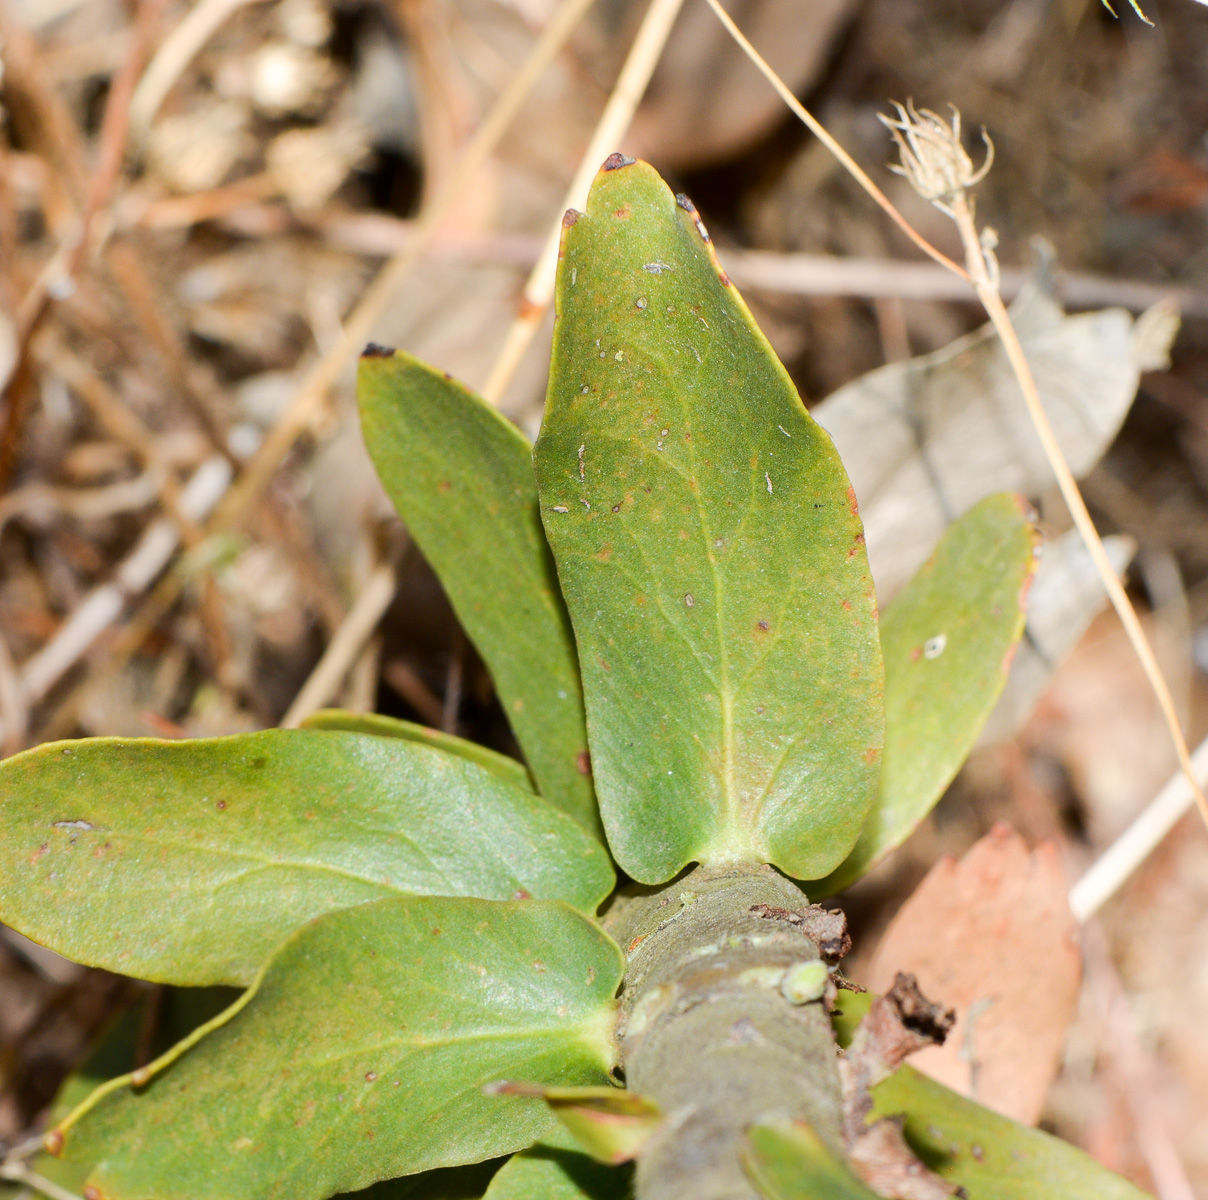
[(617, 160)]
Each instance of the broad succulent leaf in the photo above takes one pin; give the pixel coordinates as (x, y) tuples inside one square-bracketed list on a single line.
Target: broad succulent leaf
[(340, 720), (788, 1161), (461, 477), (710, 553), (362, 1054), (187, 862), (948, 641), (991, 1156), (556, 1170)]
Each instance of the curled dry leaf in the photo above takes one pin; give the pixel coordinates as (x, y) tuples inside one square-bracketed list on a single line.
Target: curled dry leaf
[(1067, 595), (926, 439), (994, 936)]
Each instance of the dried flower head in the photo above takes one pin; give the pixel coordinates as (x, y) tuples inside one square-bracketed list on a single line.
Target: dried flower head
[(932, 156)]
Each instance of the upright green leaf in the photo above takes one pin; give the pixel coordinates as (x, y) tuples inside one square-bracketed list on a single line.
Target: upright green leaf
[(187, 862), (555, 1170), (363, 1053), (710, 553), (991, 1156), (948, 640), (461, 477), (340, 720), (788, 1161)]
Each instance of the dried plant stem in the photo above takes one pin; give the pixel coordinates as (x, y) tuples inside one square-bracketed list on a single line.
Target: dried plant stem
[(626, 94), (19, 1173), (173, 57), (359, 325), (819, 131), (344, 648), (1137, 842), (987, 293)]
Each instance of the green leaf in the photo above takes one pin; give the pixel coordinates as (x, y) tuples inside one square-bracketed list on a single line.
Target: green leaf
[(187, 862), (710, 554), (362, 1053), (788, 1161), (555, 1170), (948, 640), (850, 1009), (461, 477), (991, 1156), (339, 720), (180, 1011), (611, 1124)]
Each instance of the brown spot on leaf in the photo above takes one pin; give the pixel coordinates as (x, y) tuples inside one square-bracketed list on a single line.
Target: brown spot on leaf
[(374, 350), (570, 217), (583, 763), (445, 486), (617, 160)]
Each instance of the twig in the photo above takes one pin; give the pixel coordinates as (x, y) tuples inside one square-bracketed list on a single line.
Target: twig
[(66, 261), (819, 131), (14, 712), (104, 604), (344, 647), (127, 495), (18, 1172), (403, 679), (626, 94), (174, 55), (936, 165), (120, 422), (1138, 841)]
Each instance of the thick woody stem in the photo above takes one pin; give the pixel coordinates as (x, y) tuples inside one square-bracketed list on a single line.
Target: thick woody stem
[(724, 1022)]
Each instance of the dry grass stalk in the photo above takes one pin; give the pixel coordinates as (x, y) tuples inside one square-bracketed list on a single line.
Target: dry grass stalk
[(610, 129), (820, 132)]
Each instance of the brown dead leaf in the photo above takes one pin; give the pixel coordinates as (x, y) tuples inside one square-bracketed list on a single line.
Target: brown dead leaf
[(993, 937)]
